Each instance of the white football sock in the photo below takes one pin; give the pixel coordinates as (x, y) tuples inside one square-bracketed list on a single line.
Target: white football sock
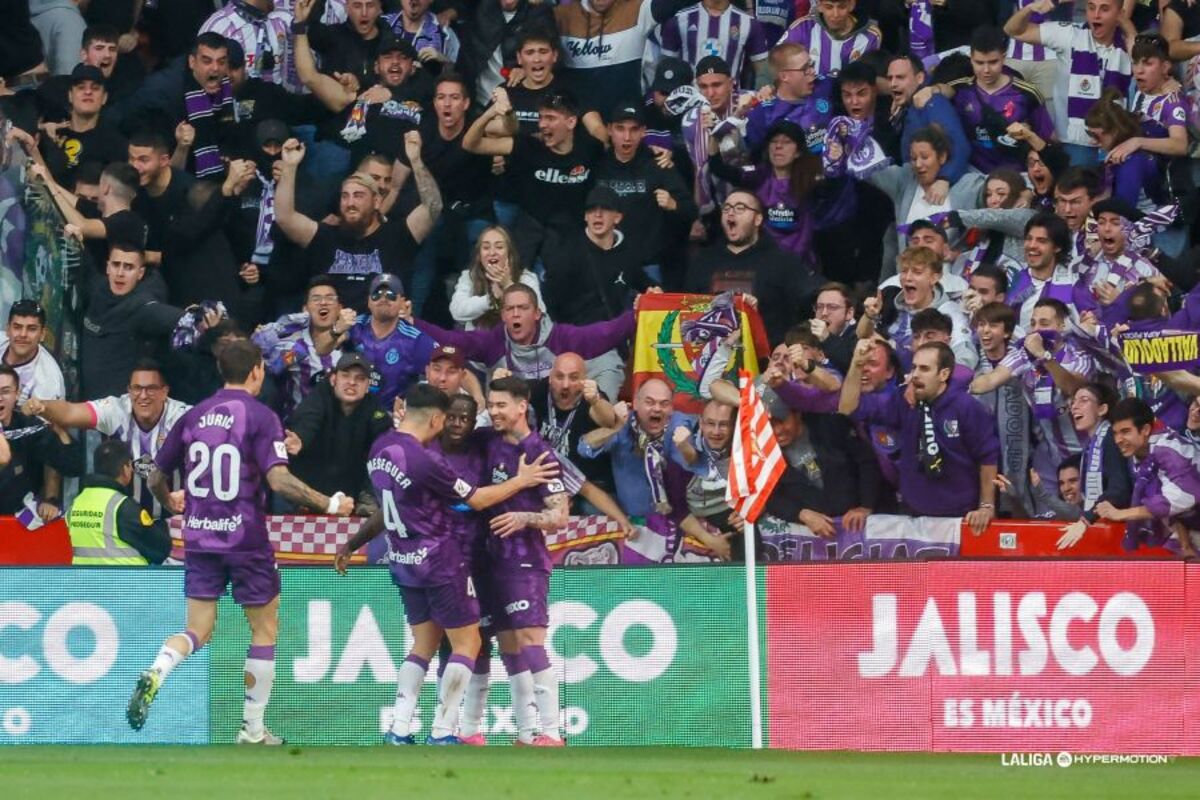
[(524, 705), (408, 690), (260, 677), (450, 694), (545, 693), (474, 704), (169, 658)]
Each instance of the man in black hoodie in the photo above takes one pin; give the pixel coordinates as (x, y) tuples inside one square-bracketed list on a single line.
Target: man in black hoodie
[(351, 46), (748, 262), (658, 207), (491, 48), (123, 321), (331, 431), (593, 274)]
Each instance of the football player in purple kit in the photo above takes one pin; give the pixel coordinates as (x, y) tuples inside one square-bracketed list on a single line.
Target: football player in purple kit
[(226, 446), (517, 600), (417, 489), (464, 453)]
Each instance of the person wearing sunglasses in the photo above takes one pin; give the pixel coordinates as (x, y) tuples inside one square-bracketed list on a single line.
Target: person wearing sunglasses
[(397, 351)]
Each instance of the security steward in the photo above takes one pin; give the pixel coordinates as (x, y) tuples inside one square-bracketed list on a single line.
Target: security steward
[(107, 526)]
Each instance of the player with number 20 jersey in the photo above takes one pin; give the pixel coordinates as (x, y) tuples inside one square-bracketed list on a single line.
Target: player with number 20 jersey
[(229, 449)]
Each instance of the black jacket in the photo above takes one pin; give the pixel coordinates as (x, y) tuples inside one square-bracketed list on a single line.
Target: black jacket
[(199, 262), (34, 446), (342, 49), (585, 284), (335, 445), (150, 537), (784, 285), (490, 30), (953, 21), (1118, 482), (646, 224), (850, 475), (117, 331), (839, 348)]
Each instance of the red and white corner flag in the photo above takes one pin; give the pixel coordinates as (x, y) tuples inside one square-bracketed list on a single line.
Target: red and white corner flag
[(756, 462)]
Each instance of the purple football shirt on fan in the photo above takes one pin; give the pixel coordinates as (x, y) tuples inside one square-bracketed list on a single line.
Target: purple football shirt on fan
[(525, 549), (224, 447), (987, 115), (416, 488)]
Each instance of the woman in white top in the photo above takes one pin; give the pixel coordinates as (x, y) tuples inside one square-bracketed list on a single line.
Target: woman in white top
[(494, 267)]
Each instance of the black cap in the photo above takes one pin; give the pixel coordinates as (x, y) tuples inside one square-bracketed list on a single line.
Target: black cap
[(791, 130), (1113, 205), (627, 112), (602, 197), (271, 130), (86, 72), (352, 361), (927, 225), (713, 65), (670, 74), (391, 43)]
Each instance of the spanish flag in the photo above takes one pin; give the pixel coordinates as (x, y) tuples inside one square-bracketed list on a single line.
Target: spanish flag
[(678, 336)]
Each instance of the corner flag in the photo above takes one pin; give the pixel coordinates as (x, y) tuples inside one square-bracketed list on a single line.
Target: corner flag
[(756, 462)]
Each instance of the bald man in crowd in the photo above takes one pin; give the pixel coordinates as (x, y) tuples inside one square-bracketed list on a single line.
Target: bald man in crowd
[(651, 484), (568, 405)]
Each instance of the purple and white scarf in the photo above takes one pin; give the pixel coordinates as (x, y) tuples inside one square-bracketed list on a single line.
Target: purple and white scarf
[(191, 326), (1093, 466), (860, 154), (920, 29), (654, 459), (263, 243), (429, 35), (1138, 235), (203, 111)]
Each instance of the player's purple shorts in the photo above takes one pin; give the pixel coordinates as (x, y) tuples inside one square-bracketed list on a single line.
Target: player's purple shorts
[(450, 605), (518, 600), (253, 573)]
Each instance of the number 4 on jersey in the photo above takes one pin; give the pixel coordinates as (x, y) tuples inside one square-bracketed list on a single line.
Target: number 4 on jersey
[(391, 516)]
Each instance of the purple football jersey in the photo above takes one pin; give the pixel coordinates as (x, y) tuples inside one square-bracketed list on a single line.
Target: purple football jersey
[(987, 115), (525, 549), (468, 525), (224, 447), (416, 488)]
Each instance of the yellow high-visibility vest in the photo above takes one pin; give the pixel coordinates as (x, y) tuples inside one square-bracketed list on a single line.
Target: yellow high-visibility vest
[(92, 524)]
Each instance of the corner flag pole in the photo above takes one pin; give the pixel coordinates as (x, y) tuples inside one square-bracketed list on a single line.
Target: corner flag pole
[(755, 465), (752, 648)]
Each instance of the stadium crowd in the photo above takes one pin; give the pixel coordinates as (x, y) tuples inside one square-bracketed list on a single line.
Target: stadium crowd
[(947, 213)]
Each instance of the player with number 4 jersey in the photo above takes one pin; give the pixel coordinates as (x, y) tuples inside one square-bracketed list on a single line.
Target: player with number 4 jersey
[(416, 489), (229, 448)]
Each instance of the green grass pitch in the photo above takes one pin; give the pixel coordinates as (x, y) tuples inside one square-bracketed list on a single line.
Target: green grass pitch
[(131, 772)]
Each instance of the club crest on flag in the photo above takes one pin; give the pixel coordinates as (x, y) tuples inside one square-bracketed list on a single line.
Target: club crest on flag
[(679, 336)]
